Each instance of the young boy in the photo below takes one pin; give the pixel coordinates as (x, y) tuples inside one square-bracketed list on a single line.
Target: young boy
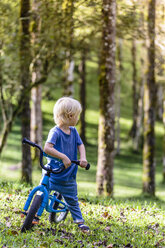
[(62, 143)]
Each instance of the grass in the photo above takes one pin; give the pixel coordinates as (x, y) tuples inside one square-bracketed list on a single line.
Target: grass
[(136, 222), (130, 219)]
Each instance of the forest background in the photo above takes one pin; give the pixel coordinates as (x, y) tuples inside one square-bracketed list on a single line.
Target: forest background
[(53, 48)]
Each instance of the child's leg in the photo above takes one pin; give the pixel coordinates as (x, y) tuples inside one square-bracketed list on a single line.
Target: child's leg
[(74, 208), (69, 192)]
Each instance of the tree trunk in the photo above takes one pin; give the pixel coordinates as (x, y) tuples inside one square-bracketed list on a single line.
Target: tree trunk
[(118, 85), (82, 72), (149, 109), (69, 69), (164, 138), (36, 93), (36, 120), (139, 121), (69, 64), (107, 109), (25, 81), (159, 102), (134, 89)]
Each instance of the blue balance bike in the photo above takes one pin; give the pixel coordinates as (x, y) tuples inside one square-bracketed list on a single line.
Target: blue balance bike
[(40, 197)]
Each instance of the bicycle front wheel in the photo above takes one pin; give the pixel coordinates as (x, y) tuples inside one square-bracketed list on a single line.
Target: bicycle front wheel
[(36, 203), (60, 216)]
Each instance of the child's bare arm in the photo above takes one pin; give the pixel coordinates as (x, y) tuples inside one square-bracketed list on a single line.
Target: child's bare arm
[(83, 161), (50, 150)]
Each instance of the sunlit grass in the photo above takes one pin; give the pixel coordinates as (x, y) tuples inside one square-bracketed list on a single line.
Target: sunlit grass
[(126, 123), (126, 222), (92, 116)]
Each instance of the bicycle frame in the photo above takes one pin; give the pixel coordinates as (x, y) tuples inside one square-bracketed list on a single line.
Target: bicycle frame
[(47, 199)]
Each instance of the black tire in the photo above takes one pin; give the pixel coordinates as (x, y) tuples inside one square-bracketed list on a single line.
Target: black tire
[(58, 217), (31, 213)]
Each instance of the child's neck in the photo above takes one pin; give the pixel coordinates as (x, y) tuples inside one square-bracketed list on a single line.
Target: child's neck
[(65, 128)]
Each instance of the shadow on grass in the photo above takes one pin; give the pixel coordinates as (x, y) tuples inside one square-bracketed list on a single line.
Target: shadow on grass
[(10, 160), (142, 199)]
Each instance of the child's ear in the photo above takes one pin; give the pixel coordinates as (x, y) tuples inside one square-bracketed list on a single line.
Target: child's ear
[(69, 116)]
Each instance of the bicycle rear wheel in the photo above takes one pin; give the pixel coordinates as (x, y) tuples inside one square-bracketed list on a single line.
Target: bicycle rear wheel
[(61, 216), (36, 203)]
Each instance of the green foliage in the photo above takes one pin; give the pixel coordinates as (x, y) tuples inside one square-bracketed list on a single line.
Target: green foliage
[(9, 59)]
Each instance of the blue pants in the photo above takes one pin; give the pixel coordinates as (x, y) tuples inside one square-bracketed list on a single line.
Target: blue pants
[(69, 191)]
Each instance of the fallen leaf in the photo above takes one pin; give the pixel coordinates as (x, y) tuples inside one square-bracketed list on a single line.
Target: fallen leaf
[(16, 210), (105, 214), (108, 229), (109, 246), (14, 232), (8, 224)]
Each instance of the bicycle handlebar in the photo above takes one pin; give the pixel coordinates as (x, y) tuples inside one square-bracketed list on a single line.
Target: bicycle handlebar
[(78, 163), (54, 171)]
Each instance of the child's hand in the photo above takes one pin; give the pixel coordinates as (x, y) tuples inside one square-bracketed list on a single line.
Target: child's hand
[(66, 161), (83, 163)]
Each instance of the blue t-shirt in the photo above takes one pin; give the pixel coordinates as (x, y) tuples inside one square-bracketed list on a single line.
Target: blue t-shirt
[(67, 144)]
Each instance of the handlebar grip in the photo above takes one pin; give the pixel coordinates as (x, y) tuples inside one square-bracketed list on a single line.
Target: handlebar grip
[(25, 140), (78, 163), (88, 166)]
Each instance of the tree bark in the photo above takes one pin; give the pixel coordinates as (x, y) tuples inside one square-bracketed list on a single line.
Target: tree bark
[(139, 121), (82, 72), (107, 109), (134, 89), (159, 102), (36, 93), (25, 82), (164, 138), (149, 109), (69, 64), (69, 69), (118, 86), (36, 120)]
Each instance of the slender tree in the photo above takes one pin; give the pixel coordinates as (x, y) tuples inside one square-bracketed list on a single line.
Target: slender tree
[(139, 121), (140, 96), (164, 137), (25, 82), (82, 72), (118, 89), (134, 87), (107, 112), (134, 37), (68, 10), (36, 94), (149, 108)]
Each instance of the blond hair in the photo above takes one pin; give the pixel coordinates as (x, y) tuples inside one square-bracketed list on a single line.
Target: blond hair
[(64, 107)]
